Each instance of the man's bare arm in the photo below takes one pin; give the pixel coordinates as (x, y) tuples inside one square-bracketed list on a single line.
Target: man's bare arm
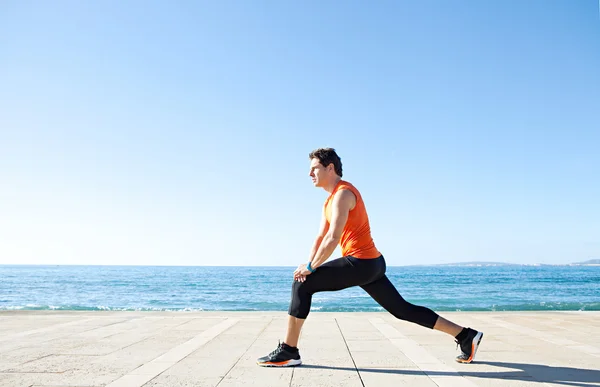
[(324, 226), (343, 202)]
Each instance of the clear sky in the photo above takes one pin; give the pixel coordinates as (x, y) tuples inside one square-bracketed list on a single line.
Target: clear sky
[(178, 133)]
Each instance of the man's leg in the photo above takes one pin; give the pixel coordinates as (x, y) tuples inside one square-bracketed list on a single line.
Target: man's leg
[(293, 331), (386, 294), (331, 276), (447, 326)]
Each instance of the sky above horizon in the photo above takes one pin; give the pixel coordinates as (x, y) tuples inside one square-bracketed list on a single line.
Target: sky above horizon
[(178, 133)]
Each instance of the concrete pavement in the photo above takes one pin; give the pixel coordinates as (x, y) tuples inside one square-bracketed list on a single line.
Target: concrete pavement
[(134, 349)]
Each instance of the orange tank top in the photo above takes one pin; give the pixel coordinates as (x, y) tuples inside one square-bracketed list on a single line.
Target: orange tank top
[(356, 237)]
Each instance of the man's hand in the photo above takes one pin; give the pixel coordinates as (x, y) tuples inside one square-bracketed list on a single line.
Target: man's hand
[(301, 272)]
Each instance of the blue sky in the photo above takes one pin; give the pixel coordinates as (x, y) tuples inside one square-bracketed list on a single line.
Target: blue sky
[(163, 133)]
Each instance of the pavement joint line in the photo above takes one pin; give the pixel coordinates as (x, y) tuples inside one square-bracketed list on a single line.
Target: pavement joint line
[(152, 369), (552, 324), (422, 358), (118, 333), (148, 334), (45, 329), (19, 345), (350, 352), (246, 351), (550, 338)]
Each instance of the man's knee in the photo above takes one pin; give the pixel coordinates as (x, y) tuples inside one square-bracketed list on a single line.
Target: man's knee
[(298, 287), (302, 289), (300, 303)]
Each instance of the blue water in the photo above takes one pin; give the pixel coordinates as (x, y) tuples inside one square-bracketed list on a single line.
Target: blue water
[(442, 288)]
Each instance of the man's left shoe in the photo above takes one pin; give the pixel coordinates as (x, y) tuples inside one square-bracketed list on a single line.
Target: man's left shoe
[(469, 345), (282, 356)]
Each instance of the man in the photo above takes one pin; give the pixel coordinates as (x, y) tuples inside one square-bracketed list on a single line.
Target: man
[(345, 221)]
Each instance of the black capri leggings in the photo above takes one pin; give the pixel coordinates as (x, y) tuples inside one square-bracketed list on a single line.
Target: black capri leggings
[(369, 274)]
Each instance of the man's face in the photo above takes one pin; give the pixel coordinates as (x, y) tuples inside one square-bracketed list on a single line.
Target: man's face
[(318, 173)]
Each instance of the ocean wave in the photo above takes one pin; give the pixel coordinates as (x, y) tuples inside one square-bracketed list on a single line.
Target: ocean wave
[(98, 308), (333, 307)]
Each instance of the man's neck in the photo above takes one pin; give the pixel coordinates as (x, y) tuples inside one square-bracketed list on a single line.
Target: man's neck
[(331, 186)]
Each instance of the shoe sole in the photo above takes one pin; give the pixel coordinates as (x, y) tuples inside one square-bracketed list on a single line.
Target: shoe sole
[(474, 346), (288, 363)]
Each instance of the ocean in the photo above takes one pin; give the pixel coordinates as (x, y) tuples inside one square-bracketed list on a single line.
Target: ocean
[(197, 288)]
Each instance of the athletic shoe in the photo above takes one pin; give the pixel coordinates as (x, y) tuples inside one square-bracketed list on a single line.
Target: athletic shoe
[(282, 356), (468, 346)]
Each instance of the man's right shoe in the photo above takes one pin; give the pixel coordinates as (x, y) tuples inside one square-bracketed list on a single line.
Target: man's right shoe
[(469, 345), (282, 356)]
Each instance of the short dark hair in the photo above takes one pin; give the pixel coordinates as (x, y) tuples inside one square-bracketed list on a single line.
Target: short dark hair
[(327, 156)]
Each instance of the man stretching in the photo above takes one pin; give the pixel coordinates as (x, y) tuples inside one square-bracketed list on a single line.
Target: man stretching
[(345, 221)]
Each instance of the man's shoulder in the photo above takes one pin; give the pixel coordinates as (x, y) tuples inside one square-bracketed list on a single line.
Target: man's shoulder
[(348, 193), (344, 190), (346, 185), (345, 193)]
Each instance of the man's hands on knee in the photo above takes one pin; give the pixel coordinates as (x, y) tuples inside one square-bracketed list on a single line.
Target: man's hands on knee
[(300, 273)]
